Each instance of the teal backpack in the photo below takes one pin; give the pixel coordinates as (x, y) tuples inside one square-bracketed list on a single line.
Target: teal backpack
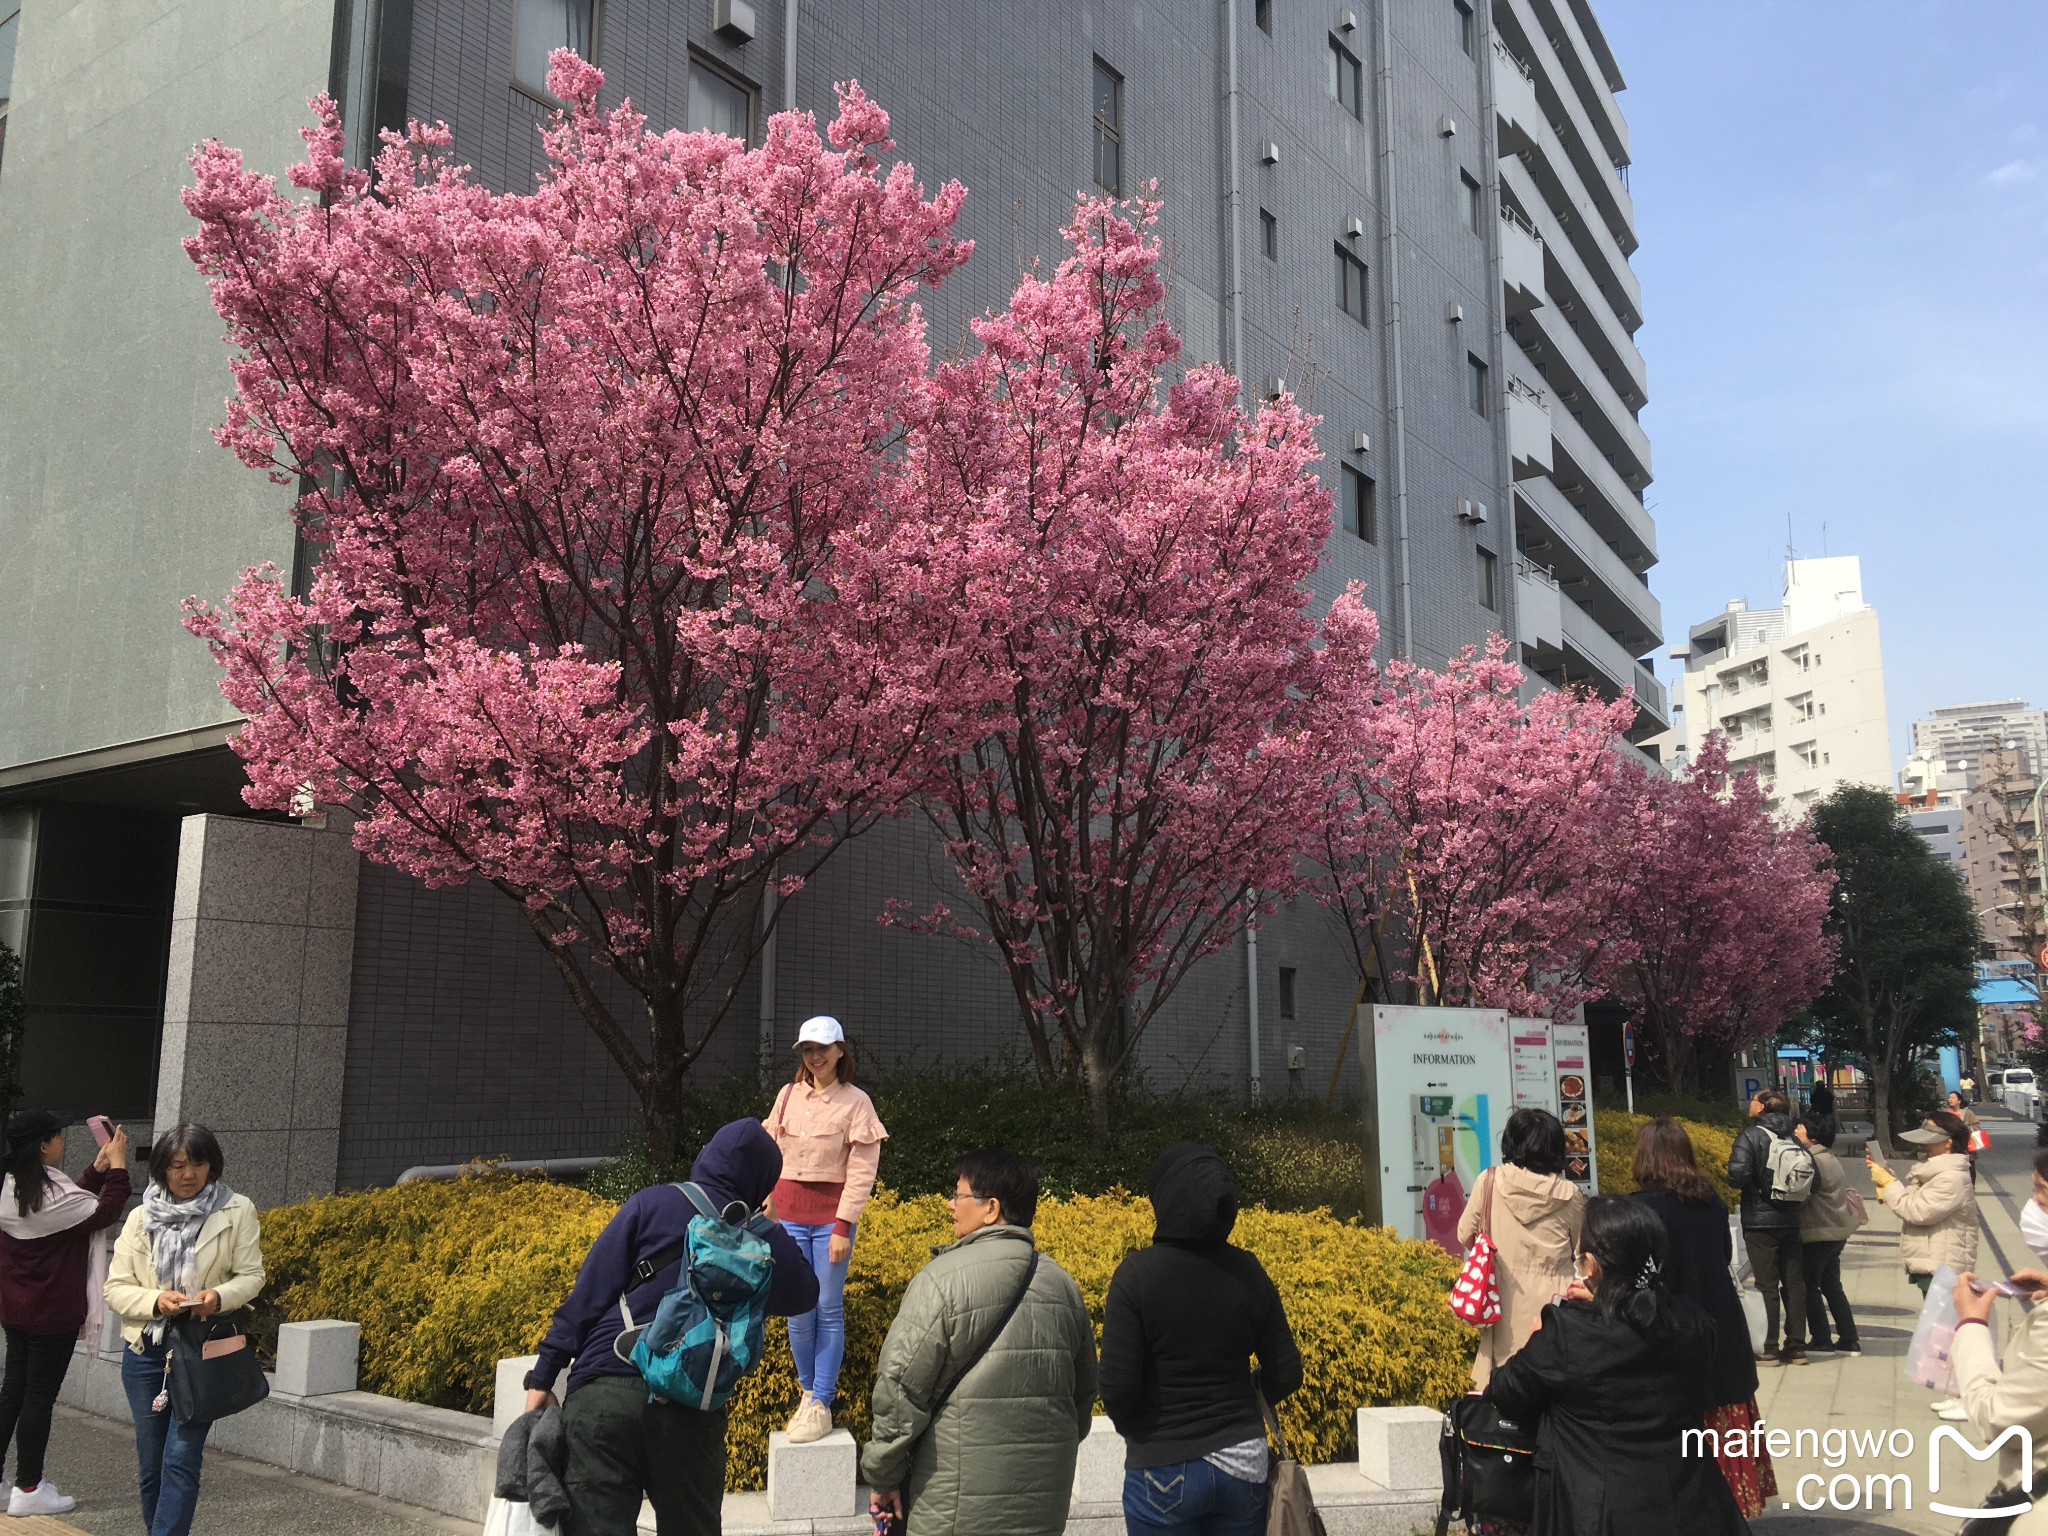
[(706, 1333)]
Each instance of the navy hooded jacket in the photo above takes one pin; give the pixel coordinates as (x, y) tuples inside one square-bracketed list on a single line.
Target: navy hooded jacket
[(741, 1163)]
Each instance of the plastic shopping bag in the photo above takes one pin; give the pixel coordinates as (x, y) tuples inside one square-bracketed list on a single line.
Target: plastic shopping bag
[(513, 1517), (1927, 1356), (1753, 1313), (1738, 1254)]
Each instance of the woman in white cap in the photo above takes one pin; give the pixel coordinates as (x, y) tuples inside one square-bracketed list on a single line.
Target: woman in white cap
[(831, 1143)]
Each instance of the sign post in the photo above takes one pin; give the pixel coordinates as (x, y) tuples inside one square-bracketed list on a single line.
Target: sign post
[(1571, 1048), (1440, 1085), (1628, 1061)]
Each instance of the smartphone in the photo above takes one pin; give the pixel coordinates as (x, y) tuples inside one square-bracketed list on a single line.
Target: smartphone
[(101, 1127), (1999, 1288)]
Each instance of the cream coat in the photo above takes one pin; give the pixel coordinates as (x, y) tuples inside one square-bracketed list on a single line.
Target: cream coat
[(1939, 1214), (229, 1255), (1997, 1399), (1535, 1231)]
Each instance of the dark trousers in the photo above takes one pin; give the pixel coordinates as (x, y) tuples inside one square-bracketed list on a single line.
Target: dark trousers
[(1824, 1295), (1779, 1260), (36, 1367), (621, 1446)]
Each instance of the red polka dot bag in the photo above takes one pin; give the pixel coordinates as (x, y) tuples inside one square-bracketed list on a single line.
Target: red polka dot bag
[(1475, 1295)]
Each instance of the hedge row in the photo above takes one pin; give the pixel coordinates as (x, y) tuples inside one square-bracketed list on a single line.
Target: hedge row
[(1614, 1141), (447, 1278)]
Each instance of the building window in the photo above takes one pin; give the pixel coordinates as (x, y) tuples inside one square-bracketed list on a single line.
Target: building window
[(1109, 129), (719, 103), (1346, 80), (1351, 285), (1467, 27), (1361, 514), (543, 26), (1269, 235), (1262, 13), (1468, 201), (1480, 397), (1286, 991), (1489, 580)]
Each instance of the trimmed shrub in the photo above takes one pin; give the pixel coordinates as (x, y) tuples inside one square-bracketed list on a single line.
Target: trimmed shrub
[(449, 1277), (1615, 1148)]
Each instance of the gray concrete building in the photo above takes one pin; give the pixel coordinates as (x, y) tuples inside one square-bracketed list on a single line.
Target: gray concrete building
[(1420, 210)]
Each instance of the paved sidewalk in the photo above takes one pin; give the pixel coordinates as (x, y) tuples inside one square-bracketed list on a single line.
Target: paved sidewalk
[(1871, 1395), (93, 1460)]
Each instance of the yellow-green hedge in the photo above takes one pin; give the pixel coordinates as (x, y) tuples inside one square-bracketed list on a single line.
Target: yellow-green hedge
[(447, 1278), (1615, 1147)]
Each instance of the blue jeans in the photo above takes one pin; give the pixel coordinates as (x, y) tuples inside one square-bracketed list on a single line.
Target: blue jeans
[(168, 1452), (1193, 1496), (818, 1338)]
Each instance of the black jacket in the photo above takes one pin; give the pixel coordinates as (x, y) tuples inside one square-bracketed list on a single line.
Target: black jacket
[(1183, 1319), (1611, 1406), (1749, 1171), (1698, 1270)]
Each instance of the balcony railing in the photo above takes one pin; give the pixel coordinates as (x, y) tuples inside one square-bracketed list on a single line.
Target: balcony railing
[(1526, 390), (1514, 63), (1521, 221)]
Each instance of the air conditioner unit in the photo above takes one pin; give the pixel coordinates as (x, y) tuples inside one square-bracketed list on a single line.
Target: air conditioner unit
[(1269, 153), (1470, 511), (1354, 227), (1361, 442)]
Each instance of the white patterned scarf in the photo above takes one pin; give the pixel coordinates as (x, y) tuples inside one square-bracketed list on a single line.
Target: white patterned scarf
[(172, 1227)]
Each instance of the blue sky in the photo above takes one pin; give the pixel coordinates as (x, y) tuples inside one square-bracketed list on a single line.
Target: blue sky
[(1844, 221)]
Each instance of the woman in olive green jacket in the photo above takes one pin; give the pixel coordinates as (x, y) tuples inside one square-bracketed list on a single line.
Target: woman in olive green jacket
[(988, 1451)]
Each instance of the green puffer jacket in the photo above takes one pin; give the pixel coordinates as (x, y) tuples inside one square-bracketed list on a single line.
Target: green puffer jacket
[(999, 1460)]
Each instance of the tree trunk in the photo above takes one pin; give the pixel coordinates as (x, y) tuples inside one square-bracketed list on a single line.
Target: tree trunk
[(1097, 1080), (661, 1089), (1881, 1103)]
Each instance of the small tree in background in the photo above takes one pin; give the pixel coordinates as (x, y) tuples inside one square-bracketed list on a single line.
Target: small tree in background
[(1464, 854), (616, 608), (1717, 918), (1157, 723), (13, 1021), (1907, 936)]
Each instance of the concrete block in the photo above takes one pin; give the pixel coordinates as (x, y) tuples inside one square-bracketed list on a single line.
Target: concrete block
[(812, 1482), (1397, 1447), (508, 1390), (269, 1432), (316, 1358), (1099, 1465)]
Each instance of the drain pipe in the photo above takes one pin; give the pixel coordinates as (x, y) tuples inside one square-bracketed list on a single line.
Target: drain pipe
[(789, 55), (1235, 210), (1391, 260), (1506, 592), (1251, 990)]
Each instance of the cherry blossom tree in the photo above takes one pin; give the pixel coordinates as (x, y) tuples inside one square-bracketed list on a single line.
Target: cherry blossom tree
[(1464, 853), (616, 607), (1158, 716), (1718, 916)]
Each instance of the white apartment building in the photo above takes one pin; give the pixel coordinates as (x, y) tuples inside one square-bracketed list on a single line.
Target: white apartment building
[(1797, 690)]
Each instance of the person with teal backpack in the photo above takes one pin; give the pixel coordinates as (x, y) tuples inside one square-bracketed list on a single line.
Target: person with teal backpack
[(665, 1318)]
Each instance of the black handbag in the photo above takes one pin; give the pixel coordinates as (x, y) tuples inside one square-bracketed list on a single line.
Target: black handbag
[(211, 1366), (2016, 1499), (1489, 1466)]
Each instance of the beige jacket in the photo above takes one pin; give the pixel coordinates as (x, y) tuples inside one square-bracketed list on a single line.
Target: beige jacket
[(1826, 1217), (229, 1255), (829, 1136), (1939, 1211), (1997, 1399), (1535, 1231)]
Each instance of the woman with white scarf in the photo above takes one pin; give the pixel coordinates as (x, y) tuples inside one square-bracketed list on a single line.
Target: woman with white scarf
[(1997, 1397), (47, 1224), (193, 1249)]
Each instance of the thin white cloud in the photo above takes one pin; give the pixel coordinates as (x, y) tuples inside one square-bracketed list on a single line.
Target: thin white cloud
[(2013, 171)]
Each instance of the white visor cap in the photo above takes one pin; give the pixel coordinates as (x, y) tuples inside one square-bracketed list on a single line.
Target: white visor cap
[(820, 1029)]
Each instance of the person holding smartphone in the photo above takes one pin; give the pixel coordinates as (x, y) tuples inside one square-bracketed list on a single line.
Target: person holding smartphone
[(47, 1223), (1995, 1397), (192, 1248)]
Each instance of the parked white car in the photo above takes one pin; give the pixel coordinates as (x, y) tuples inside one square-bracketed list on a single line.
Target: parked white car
[(1994, 1087), (2019, 1093)]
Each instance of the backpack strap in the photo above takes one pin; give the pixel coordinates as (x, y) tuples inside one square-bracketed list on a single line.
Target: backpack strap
[(981, 1350), (655, 1262)]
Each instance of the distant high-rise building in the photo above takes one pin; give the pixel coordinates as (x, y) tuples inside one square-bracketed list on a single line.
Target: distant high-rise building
[(1797, 691), (1950, 745), (2002, 848)]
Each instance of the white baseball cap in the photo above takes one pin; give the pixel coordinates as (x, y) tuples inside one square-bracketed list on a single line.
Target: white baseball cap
[(820, 1029)]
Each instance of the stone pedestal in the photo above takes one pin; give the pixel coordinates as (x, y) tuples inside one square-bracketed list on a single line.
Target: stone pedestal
[(314, 1359), (815, 1481), (508, 1389), (1397, 1447), (256, 1007)]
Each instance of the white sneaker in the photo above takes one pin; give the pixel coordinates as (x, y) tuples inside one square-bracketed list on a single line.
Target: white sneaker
[(796, 1420), (813, 1421), (1955, 1413), (1941, 1403), (43, 1499)]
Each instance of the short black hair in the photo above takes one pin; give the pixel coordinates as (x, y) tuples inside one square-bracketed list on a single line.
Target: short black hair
[(1008, 1178), (1821, 1130), (1953, 1128), (196, 1142), (1533, 1139)]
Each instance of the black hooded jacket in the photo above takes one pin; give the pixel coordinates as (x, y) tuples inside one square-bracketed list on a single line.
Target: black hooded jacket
[(1183, 1319), (1749, 1171)]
